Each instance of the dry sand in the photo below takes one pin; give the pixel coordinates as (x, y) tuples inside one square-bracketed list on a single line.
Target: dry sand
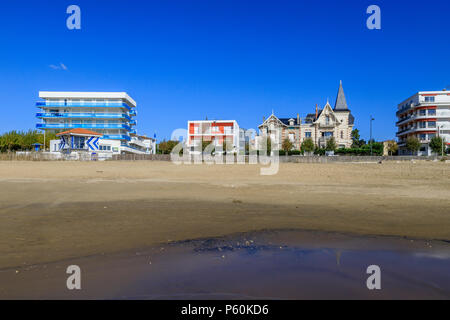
[(51, 211)]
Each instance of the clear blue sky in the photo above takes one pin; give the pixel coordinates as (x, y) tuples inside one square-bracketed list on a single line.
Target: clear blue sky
[(233, 59)]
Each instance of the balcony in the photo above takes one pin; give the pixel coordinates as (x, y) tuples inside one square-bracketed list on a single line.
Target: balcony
[(403, 110), (84, 126), (132, 113), (416, 117), (414, 129), (82, 115), (327, 125), (116, 137), (138, 142), (50, 104), (133, 122)]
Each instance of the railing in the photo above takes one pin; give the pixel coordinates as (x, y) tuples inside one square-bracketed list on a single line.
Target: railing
[(116, 137), (83, 104), (84, 126), (81, 115), (326, 125), (324, 139), (142, 149), (138, 142)]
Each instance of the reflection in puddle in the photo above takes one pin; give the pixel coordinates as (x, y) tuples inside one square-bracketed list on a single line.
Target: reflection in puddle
[(259, 265), (268, 268)]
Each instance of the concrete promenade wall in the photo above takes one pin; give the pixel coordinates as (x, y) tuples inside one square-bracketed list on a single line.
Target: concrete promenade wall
[(293, 159), (46, 156)]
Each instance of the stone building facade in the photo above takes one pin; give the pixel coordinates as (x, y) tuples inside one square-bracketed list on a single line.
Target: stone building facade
[(327, 122)]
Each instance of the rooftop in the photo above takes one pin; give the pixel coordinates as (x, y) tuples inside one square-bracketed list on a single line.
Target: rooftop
[(86, 95)]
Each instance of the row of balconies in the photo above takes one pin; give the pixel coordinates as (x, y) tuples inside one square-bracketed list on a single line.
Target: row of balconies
[(214, 132), (84, 126), (116, 137), (414, 129), (82, 115), (117, 104), (424, 104), (417, 117)]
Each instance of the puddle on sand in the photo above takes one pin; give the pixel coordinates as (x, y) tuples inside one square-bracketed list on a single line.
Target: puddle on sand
[(259, 265)]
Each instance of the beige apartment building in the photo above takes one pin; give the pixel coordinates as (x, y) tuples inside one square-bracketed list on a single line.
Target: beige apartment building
[(327, 122)]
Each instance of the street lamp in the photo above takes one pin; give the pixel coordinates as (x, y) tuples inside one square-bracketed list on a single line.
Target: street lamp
[(442, 140), (371, 119)]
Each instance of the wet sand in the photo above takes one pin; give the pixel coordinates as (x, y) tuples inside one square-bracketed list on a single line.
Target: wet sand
[(52, 211), (255, 265)]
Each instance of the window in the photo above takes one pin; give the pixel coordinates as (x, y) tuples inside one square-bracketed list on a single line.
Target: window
[(291, 137), (422, 112), (423, 137), (78, 142), (431, 136), (308, 134), (431, 112), (342, 134), (429, 99), (327, 120), (327, 134), (432, 124), (422, 124)]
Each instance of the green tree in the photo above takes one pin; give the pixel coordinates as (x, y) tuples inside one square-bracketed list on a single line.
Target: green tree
[(266, 146), (436, 144), (307, 145), (247, 148), (331, 144), (166, 147), (24, 140), (413, 144), (357, 141), (287, 145)]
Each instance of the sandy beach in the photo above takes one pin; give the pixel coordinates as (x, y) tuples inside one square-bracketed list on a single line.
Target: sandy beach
[(50, 211)]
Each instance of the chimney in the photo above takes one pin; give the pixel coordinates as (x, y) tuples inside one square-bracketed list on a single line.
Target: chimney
[(298, 119), (317, 112)]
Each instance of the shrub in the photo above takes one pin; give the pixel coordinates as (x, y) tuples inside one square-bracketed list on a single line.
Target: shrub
[(307, 145)]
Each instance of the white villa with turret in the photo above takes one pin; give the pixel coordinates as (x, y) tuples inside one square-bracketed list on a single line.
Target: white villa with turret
[(327, 122)]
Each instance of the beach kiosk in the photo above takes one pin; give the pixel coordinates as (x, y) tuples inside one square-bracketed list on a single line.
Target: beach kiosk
[(79, 141), (37, 146)]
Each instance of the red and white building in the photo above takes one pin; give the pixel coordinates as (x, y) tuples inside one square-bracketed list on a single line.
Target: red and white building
[(424, 116), (216, 131)]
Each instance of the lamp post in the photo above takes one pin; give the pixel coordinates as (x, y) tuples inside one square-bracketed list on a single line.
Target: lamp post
[(371, 119), (442, 140)]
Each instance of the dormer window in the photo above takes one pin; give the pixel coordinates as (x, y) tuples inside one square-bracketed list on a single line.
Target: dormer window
[(291, 122)]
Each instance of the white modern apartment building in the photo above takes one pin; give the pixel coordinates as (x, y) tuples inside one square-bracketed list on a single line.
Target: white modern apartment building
[(424, 116), (216, 132), (111, 114)]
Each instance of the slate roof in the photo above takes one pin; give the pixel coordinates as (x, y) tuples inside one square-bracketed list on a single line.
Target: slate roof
[(341, 102), (285, 121)]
